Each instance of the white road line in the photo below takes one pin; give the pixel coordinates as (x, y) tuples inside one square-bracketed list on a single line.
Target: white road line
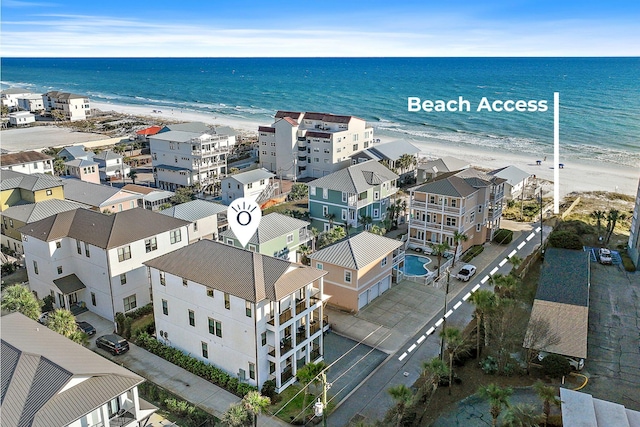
[(431, 330), (512, 253), (422, 338), (492, 272), (410, 349), (503, 262), (521, 245), (403, 356), (475, 288), (466, 297), (484, 280), (538, 230), (530, 236), (449, 313), (439, 322), (458, 304)]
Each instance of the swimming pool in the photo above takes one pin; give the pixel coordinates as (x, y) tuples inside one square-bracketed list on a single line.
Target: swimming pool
[(414, 265)]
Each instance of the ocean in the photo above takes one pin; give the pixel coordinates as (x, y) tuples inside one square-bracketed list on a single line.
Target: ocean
[(599, 102)]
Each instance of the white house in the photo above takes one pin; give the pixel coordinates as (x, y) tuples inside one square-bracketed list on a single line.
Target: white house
[(252, 315), (301, 145), (207, 219), (31, 102), (9, 97), (87, 258), (73, 107), (255, 185), (49, 380), (21, 118), (28, 162), (75, 152), (516, 180), (111, 165)]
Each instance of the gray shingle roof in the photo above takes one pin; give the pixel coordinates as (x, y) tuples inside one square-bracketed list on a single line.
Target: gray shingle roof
[(69, 284), (32, 212), (80, 163), (251, 176), (89, 193), (512, 174), (195, 210), (22, 157), (64, 95), (565, 277), (356, 178), (271, 226), (357, 251), (32, 182), (245, 274), (102, 230), (37, 363), (15, 91)]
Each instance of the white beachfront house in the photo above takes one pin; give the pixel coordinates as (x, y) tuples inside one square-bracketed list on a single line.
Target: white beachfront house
[(255, 185), (313, 145), (74, 107), (31, 102), (28, 162), (9, 97), (84, 258), (207, 219), (111, 165), (21, 118), (252, 315)]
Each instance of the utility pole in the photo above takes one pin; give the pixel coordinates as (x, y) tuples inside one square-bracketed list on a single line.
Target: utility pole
[(541, 236), (320, 407), (444, 323)]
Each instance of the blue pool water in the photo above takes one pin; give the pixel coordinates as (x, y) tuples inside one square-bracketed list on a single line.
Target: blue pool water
[(414, 265)]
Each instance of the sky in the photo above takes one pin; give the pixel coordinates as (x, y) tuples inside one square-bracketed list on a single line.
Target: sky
[(357, 28)]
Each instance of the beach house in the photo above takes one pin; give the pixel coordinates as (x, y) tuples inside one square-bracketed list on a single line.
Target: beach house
[(9, 97), (111, 165), (257, 317), (400, 156), (27, 162), (633, 247), (299, 145), (87, 259), (153, 199), (99, 197), (31, 102), (21, 118), (358, 195), (75, 152), (72, 106), (206, 219), (20, 188), (516, 181), (254, 184), (84, 170), (434, 168)]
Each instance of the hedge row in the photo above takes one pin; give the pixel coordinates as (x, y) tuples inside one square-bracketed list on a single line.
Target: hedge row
[(472, 253), (503, 236), (204, 370)]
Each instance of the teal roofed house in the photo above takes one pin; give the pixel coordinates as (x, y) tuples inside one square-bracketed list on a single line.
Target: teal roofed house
[(351, 194)]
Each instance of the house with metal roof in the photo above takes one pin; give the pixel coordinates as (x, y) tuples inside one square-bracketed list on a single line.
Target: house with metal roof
[(21, 118), (18, 188), (434, 168), (152, 198), (90, 260), (277, 235), (49, 380), (399, 156), (207, 219), (359, 268), (100, 197), (358, 195), (84, 170), (111, 165), (75, 152), (562, 303), (9, 97), (467, 202), (252, 315), (584, 410), (516, 180), (27, 162), (255, 184)]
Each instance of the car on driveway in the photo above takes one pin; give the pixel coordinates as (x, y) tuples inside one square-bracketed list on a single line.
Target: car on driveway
[(605, 256), (113, 343), (86, 327), (466, 272), (576, 363), (44, 317)]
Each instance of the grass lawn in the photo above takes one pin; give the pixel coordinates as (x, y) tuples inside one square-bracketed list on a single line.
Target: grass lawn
[(289, 408), (18, 276)]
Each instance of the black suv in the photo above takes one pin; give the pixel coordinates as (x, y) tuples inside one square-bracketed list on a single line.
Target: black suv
[(86, 327), (114, 344)]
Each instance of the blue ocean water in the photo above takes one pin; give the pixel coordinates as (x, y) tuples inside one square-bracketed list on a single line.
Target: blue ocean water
[(599, 113)]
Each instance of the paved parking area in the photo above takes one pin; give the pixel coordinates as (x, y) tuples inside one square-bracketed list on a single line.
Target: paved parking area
[(613, 362)]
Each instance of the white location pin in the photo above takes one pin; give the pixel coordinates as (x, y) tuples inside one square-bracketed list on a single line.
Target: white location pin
[(244, 217)]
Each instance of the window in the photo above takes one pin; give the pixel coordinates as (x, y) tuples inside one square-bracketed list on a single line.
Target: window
[(195, 226), (319, 266), (347, 276), (242, 375), (123, 279), (165, 307), (344, 214), (78, 248), (59, 269), (49, 192), (252, 248), (58, 244), (383, 262), (250, 185), (210, 293), (376, 195), (215, 327), (124, 253), (151, 244), (93, 299), (176, 236), (218, 329), (376, 213), (252, 371), (227, 301), (355, 147), (130, 302), (432, 199), (479, 208), (230, 242), (205, 350), (86, 250), (185, 282), (451, 222), (478, 227), (453, 203), (344, 197), (325, 193), (163, 278), (247, 308), (290, 238), (325, 210), (263, 336), (192, 318), (35, 267), (312, 191)]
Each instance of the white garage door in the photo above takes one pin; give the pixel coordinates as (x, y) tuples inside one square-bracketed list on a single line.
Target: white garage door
[(384, 284), (362, 300), (374, 291)]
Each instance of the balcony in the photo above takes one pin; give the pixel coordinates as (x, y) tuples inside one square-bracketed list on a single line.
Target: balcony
[(284, 316), (314, 327), (286, 375), (301, 335), (437, 207), (433, 226), (398, 257), (122, 418), (301, 306), (302, 158)]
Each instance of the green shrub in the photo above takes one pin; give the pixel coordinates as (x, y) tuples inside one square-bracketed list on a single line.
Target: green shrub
[(148, 326), (489, 365), (565, 240), (120, 318), (269, 390), (555, 366), (503, 236), (298, 191), (128, 321), (142, 311), (472, 252)]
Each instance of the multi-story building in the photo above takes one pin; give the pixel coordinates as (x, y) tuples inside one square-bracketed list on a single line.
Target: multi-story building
[(182, 159), (99, 197), (84, 258), (467, 202), (31, 102), (84, 170), (634, 236), (278, 235), (19, 188), (207, 219), (9, 97), (350, 195), (27, 162), (255, 185), (74, 107), (111, 165), (399, 156), (49, 380), (516, 181), (299, 145), (252, 315)]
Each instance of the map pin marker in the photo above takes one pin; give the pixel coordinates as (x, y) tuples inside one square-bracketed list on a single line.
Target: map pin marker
[(244, 217)]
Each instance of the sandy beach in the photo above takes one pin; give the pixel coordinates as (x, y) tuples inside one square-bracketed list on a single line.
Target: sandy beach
[(575, 176)]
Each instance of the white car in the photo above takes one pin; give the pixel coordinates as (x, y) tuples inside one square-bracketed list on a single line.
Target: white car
[(466, 272), (576, 363), (605, 256)]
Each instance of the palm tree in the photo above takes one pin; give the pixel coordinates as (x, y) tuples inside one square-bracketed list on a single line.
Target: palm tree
[(133, 175), (62, 321), (457, 239), (505, 286), (330, 217), (20, 298), (304, 251), (236, 416), (348, 227), (439, 249), (484, 300), (309, 373), (433, 370), (454, 340), (58, 166), (515, 261), (376, 229), (599, 216), (549, 396), (314, 237), (366, 221), (402, 395), (612, 218), (521, 415), (255, 404), (498, 398)]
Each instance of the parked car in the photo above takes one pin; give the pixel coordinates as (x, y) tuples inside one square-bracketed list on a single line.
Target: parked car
[(466, 272), (44, 317), (114, 344), (576, 363), (605, 256), (86, 327)]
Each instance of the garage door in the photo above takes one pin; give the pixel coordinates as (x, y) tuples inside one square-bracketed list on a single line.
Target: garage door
[(374, 291), (362, 300), (384, 284)]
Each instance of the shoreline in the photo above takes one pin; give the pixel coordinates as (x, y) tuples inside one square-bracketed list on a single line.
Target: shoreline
[(576, 176)]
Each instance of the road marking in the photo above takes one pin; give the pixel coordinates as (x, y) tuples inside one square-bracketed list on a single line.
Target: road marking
[(475, 288), (466, 297), (503, 262), (431, 330), (484, 280), (439, 322), (410, 349), (521, 245), (449, 313), (530, 236), (422, 338), (403, 356), (492, 272), (512, 253), (538, 229), (458, 304)]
